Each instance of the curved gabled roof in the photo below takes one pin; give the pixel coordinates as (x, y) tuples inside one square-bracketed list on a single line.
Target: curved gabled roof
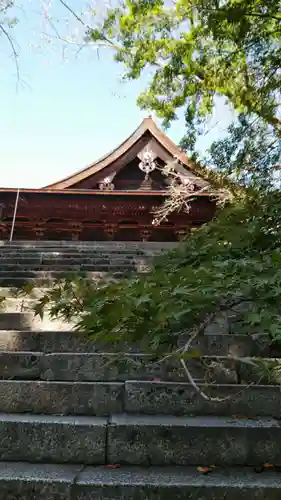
[(147, 125)]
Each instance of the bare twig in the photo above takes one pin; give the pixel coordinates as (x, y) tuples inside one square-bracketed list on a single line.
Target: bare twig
[(79, 19), (197, 388), (13, 47)]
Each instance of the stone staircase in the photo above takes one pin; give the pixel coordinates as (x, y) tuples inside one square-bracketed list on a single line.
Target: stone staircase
[(34, 261), (41, 262), (81, 421)]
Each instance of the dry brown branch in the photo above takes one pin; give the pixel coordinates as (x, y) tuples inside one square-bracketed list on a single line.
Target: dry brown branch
[(182, 191)]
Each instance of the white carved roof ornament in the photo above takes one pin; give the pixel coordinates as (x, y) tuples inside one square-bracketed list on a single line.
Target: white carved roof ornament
[(147, 163), (106, 184)]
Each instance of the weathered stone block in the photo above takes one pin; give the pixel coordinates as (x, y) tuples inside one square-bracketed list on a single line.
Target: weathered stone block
[(222, 344), (20, 365), (79, 342), (66, 342), (110, 366), (23, 481), (144, 367), (182, 399), (142, 440), (52, 439), (98, 399), (11, 340), (76, 367), (16, 320), (64, 398)]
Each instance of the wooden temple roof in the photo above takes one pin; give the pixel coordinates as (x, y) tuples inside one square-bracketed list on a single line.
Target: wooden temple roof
[(147, 135), (146, 131)]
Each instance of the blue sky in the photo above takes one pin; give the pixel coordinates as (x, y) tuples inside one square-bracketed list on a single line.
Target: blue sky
[(69, 112)]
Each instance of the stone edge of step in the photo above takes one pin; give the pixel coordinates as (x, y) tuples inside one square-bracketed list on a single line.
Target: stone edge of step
[(73, 479), (148, 421)]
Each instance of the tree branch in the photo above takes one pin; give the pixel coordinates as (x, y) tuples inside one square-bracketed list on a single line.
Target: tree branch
[(79, 19), (12, 44)]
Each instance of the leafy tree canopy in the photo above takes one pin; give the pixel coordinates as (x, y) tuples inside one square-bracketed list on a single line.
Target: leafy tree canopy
[(198, 50)]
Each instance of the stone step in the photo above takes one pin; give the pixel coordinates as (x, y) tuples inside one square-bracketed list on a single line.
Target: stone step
[(175, 483), (40, 274), (93, 367), (50, 438), (73, 260), (16, 281), (64, 254), (165, 440), (20, 260), (75, 342), (48, 270), (14, 307), (137, 397), (140, 440), (61, 398), (15, 293), (84, 250), (17, 305), (28, 321), (98, 367), (170, 398), (88, 244), (23, 481)]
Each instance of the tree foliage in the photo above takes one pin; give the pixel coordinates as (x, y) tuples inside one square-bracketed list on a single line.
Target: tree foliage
[(201, 49), (196, 51)]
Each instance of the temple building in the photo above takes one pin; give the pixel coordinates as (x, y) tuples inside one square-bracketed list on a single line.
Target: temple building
[(112, 199)]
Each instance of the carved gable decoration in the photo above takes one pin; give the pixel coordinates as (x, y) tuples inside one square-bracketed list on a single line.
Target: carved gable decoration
[(106, 184)]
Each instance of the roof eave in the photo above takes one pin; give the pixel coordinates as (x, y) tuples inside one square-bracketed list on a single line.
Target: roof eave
[(81, 192)]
